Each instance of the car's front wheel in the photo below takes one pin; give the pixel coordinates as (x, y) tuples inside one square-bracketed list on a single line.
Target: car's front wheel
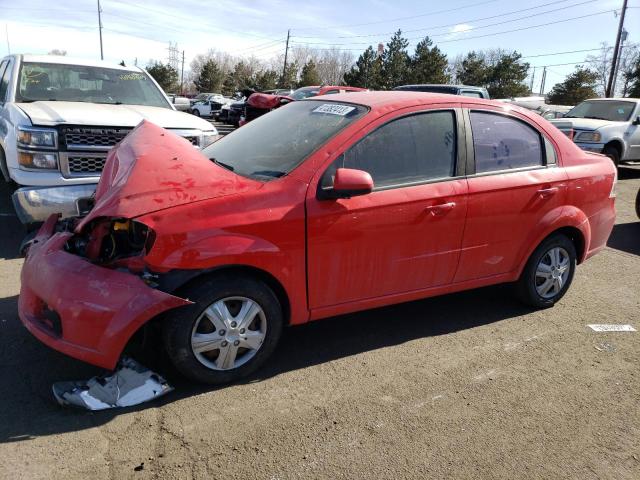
[(196, 112), (548, 273), (230, 330)]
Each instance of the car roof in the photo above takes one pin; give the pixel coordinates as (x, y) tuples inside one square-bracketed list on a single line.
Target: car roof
[(439, 85), (59, 59), (400, 98), (616, 99)]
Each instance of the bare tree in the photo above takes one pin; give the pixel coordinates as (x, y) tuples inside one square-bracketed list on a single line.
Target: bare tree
[(600, 63)]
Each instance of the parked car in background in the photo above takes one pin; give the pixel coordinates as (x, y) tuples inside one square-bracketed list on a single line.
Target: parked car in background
[(180, 103), (551, 112), (326, 206), (464, 90), (605, 125), (205, 108), (205, 97), (308, 92), (60, 116)]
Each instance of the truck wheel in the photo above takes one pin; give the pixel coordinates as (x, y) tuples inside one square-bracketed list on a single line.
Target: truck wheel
[(196, 112), (638, 204), (229, 331), (613, 153), (548, 273)]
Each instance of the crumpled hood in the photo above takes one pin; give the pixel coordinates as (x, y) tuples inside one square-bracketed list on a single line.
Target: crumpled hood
[(83, 113), (580, 123), (153, 169)]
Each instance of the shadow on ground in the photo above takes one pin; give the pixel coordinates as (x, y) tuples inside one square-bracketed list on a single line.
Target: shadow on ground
[(28, 368)]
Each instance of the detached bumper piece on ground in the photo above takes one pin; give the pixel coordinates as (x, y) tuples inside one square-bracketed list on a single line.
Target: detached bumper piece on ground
[(130, 384)]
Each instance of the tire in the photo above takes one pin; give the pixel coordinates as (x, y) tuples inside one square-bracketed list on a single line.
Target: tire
[(613, 153), (192, 325), (638, 204), (196, 112), (531, 285)]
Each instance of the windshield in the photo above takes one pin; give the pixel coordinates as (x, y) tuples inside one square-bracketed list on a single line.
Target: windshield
[(274, 144), (612, 110), (78, 83), (305, 92)]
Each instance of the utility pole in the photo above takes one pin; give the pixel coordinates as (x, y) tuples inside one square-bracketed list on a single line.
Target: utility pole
[(100, 29), (614, 64), (623, 39), (182, 76), (286, 54), (533, 76), (544, 79), (6, 29)]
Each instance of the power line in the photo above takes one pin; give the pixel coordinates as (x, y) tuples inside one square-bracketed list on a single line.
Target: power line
[(435, 27), (399, 18)]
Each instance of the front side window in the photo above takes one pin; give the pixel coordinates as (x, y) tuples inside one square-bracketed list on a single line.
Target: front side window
[(79, 83), (411, 149), (5, 71), (503, 143)]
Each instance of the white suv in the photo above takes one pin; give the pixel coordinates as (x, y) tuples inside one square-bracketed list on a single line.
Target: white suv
[(58, 119)]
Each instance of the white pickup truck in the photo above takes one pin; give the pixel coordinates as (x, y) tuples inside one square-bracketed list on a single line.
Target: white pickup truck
[(605, 125), (58, 119)]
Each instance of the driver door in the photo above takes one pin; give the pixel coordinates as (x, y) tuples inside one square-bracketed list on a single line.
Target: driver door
[(405, 235)]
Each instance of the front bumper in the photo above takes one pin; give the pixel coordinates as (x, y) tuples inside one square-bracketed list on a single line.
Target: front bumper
[(36, 204), (83, 310), (591, 147)]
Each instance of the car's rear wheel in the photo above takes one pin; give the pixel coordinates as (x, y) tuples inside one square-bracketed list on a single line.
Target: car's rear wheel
[(548, 273), (196, 112), (230, 330), (613, 153)]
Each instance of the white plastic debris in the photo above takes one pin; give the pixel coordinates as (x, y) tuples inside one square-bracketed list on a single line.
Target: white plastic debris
[(130, 384), (602, 327)]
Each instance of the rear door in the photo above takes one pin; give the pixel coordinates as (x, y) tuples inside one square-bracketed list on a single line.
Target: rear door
[(514, 182), (406, 234)]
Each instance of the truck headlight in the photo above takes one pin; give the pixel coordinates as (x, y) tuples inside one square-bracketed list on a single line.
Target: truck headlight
[(208, 138), (37, 137), (40, 160), (589, 137)]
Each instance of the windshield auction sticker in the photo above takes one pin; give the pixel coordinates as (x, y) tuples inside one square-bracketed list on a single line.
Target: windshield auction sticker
[(334, 109)]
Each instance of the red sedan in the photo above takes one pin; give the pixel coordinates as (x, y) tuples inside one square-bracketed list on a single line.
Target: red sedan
[(329, 205)]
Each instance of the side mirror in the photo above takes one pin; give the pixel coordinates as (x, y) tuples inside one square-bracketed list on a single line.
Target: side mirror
[(349, 183), (637, 120)]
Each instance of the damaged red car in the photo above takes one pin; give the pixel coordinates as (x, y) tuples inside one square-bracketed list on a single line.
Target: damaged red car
[(327, 206)]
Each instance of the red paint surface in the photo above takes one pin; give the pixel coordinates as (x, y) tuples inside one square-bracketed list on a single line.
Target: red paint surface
[(367, 251)]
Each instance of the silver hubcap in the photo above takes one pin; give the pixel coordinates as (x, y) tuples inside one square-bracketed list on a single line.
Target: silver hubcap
[(552, 272), (228, 333)]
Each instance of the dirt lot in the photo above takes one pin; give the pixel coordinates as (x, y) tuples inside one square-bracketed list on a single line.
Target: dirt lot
[(468, 386)]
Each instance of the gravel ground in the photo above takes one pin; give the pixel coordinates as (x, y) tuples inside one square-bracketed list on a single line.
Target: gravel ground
[(468, 386)]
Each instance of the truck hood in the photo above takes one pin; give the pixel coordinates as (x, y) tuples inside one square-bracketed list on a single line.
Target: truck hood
[(83, 113), (153, 169), (581, 123)]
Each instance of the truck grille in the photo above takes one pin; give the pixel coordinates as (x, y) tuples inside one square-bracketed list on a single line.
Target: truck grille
[(80, 164), (77, 138)]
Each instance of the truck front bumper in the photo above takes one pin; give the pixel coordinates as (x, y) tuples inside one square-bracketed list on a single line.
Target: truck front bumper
[(83, 310), (591, 147), (36, 204)]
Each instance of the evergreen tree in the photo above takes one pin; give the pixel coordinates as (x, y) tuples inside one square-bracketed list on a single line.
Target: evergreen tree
[(366, 72), (210, 78), (633, 76), (395, 62), (428, 64), (290, 79), (506, 77), (266, 80), (309, 75), (578, 86), (164, 74), (474, 71)]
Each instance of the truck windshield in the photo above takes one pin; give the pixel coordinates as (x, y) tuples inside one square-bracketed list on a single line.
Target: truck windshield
[(78, 83), (611, 110), (274, 144)]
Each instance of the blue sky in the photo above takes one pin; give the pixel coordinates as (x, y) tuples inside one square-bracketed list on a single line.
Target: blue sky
[(143, 29)]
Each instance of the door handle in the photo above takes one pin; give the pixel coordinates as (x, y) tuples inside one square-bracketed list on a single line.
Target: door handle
[(548, 192), (441, 208)]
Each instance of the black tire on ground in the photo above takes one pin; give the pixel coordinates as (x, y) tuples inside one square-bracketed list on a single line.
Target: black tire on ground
[(195, 112), (613, 153), (178, 327), (526, 285), (638, 204)]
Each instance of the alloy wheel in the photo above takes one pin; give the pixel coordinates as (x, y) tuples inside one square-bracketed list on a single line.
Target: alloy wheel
[(552, 272), (228, 333)]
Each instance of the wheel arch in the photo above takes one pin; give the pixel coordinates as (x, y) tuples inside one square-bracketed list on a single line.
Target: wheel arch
[(4, 168), (617, 144)]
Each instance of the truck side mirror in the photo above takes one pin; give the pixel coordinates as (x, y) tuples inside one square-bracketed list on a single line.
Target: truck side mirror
[(637, 120)]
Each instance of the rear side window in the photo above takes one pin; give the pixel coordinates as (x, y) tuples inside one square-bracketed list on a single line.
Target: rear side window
[(4, 80), (470, 93), (503, 143), (411, 149)]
